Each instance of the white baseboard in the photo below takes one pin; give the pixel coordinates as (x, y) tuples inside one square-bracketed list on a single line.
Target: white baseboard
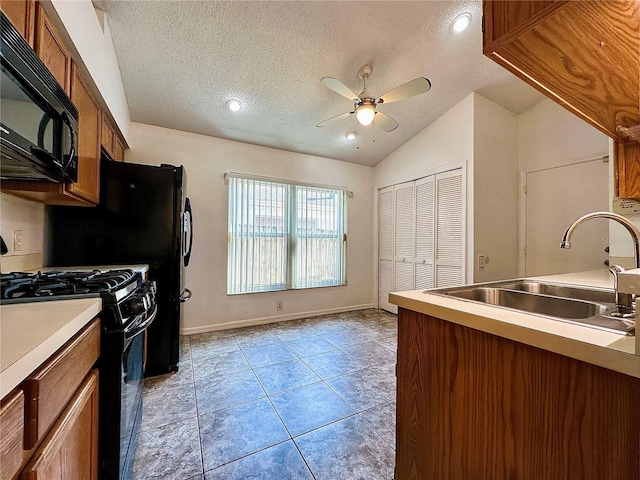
[(277, 318)]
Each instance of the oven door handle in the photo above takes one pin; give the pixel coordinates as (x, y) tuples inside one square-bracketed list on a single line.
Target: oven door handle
[(185, 295), (138, 329)]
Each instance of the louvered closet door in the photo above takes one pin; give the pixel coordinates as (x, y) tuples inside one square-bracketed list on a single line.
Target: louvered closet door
[(404, 224), (385, 248), (449, 228), (425, 233)]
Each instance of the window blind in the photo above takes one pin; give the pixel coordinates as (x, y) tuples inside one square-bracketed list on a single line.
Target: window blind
[(284, 236)]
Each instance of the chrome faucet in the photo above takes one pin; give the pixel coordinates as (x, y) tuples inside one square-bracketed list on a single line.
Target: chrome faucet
[(624, 305)]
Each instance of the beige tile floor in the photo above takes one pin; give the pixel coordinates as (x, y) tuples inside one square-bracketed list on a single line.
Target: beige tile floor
[(303, 399)]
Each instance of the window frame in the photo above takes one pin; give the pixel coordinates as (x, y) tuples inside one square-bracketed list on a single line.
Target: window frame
[(291, 217)]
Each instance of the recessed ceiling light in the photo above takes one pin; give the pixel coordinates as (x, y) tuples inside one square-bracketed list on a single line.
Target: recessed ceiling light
[(350, 135), (234, 105), (461, 22)]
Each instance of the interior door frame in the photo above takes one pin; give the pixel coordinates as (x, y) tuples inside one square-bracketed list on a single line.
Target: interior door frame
[(522, 201)]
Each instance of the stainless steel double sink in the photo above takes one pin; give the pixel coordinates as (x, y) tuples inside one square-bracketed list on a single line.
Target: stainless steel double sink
[(568, 303)]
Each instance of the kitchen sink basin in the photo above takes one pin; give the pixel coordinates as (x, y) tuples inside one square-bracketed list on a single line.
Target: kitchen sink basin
[(569, 303)]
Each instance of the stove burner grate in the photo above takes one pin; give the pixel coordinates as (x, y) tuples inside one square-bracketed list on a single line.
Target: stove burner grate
[(21, 285)]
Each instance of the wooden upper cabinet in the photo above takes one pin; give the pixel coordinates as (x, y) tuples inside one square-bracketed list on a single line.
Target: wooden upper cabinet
[(585, 55), (21, 14), (51, 50), (89, 123), (107, 137), (118, 155)]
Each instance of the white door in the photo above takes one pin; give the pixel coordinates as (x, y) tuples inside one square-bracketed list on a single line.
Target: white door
[(424, 235), (449, 227), (404, 224), (553, 199), (385, 248)]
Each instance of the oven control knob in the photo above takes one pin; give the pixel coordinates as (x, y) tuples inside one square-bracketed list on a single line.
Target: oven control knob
[(139, 304)]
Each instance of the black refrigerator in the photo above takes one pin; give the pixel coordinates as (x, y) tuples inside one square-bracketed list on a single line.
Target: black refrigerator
[(144, 216)]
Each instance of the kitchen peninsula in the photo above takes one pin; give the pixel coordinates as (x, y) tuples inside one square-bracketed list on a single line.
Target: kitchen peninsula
[(485, 392)]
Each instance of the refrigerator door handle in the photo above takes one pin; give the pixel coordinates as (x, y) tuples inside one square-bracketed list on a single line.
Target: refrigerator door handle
[(185, 295), (189, 212)]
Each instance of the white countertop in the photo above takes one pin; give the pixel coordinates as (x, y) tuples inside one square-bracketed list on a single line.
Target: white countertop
[(610, 350), (32, 332)]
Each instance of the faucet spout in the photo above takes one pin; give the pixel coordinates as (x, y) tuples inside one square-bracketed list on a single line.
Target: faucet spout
[(631, 228)]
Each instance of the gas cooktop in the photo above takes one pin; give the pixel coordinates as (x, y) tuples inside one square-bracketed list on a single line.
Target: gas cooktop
[(21, 287)]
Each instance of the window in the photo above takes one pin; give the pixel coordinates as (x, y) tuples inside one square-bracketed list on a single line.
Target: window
[(284, 236)]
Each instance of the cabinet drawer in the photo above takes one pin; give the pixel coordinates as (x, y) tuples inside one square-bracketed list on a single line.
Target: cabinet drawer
[(11, 434), (49, 388)]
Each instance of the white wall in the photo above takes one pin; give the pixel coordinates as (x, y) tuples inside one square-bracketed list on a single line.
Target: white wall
[(92, 41), (495, 191), (445, 144), (19, 214), (548, 136), (481, 136), (206, 159)]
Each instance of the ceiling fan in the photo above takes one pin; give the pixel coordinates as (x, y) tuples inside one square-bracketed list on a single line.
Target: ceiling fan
[(364, 105)]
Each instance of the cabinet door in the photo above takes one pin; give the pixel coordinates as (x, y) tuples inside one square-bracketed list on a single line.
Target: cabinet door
[(425, 238), (11, 434), (51, 50), (385, 248), (449, 225), (70, 449), (88, 184), (107, 137), (404, 227), (21, 13), (118, 155)]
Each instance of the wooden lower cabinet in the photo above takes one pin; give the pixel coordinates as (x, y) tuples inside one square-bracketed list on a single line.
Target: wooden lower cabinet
[(70, 449), (475, 406), (11, 434)]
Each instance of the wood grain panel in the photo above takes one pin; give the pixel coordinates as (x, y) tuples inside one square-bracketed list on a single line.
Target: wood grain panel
[(11, 434), (564, 53), (107, 137), (49, 388), (70, 450), (21, 13), (627, 155), (89, 122), (118, 154), (503, 17), (51, 50), (475, 406)]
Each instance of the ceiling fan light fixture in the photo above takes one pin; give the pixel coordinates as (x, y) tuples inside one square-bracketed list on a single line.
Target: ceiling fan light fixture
[(365, 114), (234, 105), (461, 22), (350, 135)]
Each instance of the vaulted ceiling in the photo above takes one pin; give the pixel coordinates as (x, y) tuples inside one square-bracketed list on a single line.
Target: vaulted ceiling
[(182, 60)]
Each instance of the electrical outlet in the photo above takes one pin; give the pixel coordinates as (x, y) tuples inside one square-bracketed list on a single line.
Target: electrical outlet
[(279, 305), (17, 240), (481, 262)]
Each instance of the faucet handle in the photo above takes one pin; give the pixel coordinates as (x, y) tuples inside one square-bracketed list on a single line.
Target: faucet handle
[(615, 270)]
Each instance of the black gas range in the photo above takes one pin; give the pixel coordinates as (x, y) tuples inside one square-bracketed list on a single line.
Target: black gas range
[(129, 306), (23, 287)]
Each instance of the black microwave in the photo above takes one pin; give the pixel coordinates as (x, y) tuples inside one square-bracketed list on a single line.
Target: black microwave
[(38, 122)]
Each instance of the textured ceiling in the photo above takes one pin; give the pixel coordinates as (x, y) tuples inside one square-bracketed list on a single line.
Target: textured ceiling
[(182, 60)]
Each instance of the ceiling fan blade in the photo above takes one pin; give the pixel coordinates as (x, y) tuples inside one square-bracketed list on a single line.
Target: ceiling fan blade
[(333, 119), (339, 87), (410, 89), (385, 122)]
